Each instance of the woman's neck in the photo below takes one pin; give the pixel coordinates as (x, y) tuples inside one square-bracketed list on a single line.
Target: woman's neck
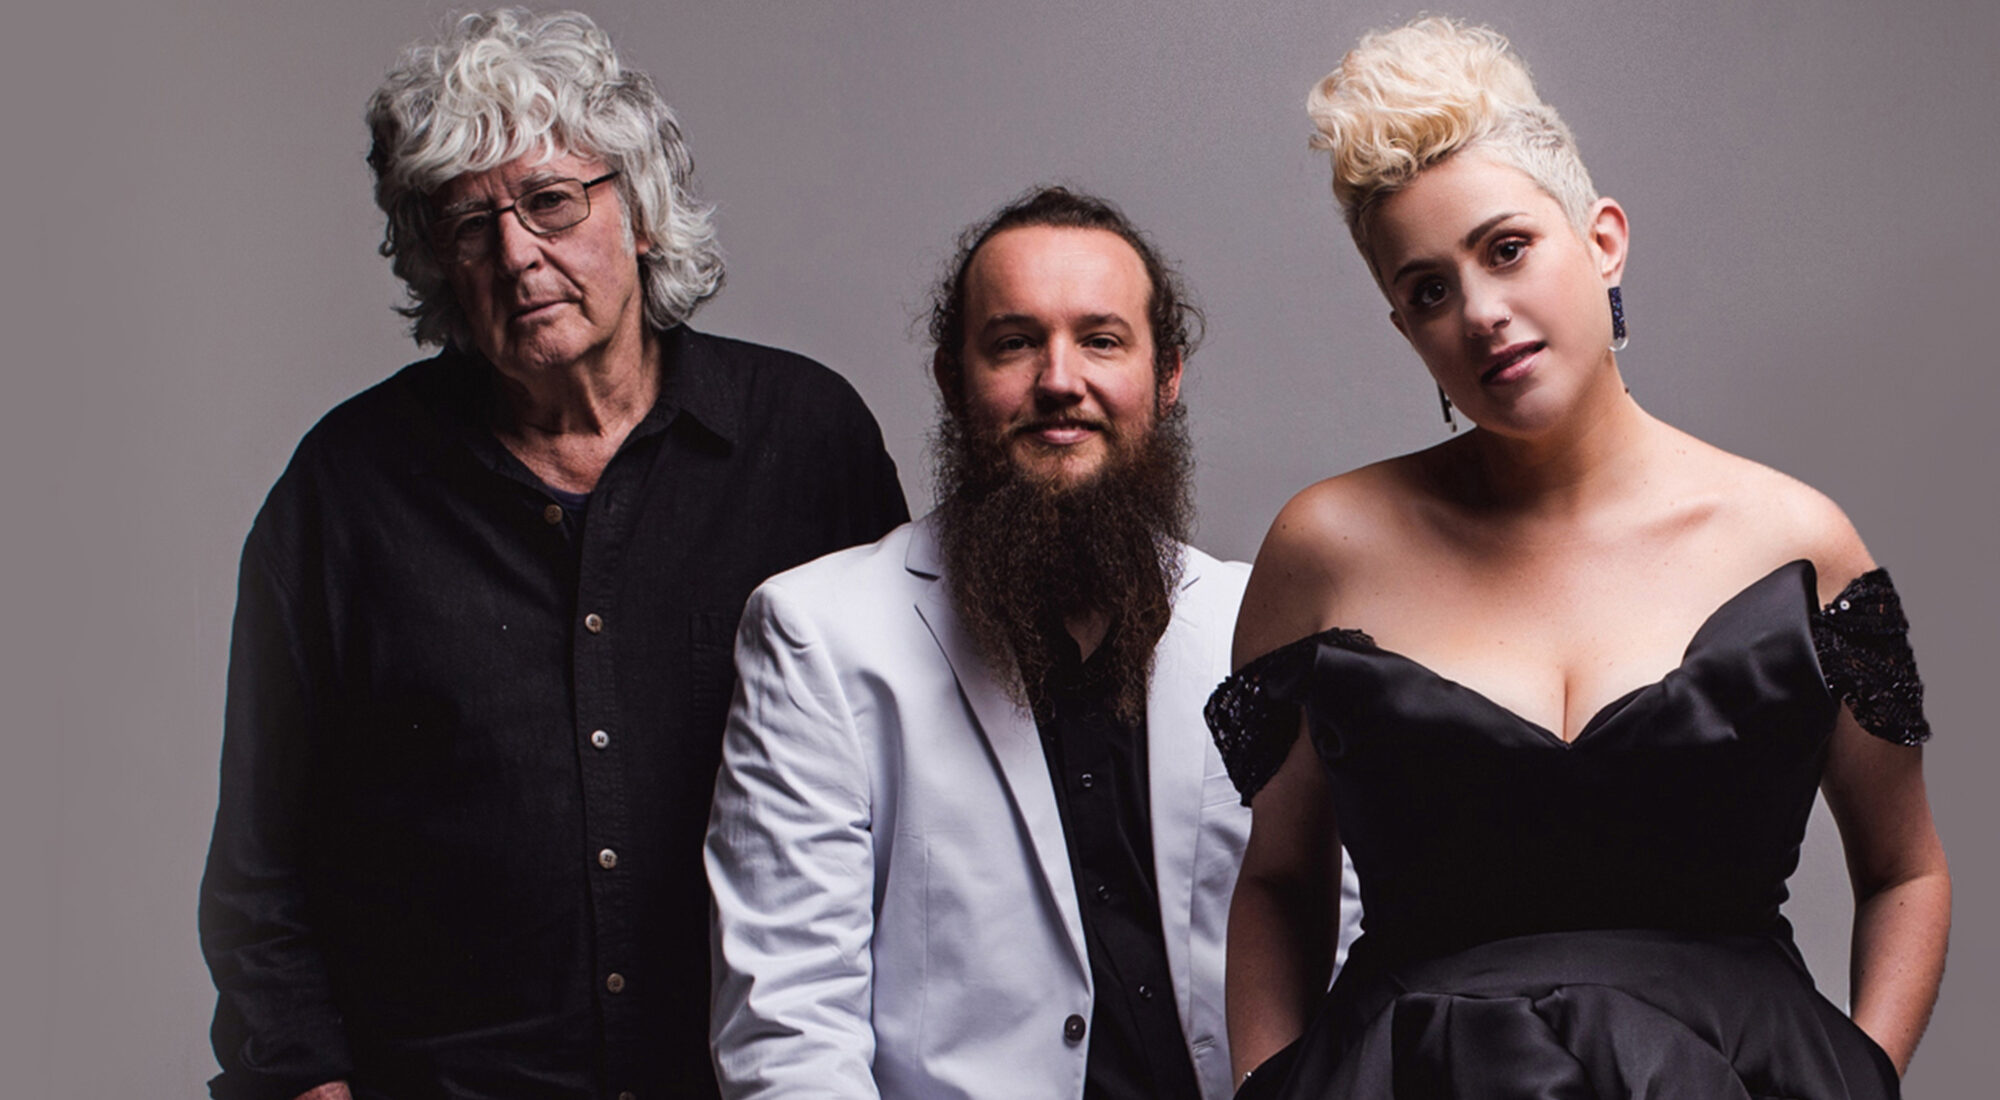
[(1597, 455)]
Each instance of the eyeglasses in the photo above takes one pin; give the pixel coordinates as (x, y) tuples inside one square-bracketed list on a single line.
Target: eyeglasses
[(550, 208)]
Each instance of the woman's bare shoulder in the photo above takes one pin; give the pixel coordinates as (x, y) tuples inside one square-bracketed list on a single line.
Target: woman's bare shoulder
[(1341, 522), (1329, 534), (1781, 518)]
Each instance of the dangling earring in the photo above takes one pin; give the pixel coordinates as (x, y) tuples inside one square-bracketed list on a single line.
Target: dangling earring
[(1618, 336), (1445, 403)]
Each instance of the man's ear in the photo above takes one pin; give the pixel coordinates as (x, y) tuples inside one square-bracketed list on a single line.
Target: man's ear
[(950, 379), (1169, 390)]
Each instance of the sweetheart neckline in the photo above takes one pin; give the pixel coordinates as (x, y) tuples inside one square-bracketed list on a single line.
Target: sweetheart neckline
[(1617, 704)]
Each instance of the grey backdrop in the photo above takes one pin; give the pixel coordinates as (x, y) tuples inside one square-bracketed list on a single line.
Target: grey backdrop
[(192, 281)]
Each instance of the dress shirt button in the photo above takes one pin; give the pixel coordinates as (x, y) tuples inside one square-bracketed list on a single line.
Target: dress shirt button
[(1104, 893), (599, 739), (1088, 780), (552, 515), (1073, 1028), (615, 982), (594, 623), (1145, 992), (607, 859)]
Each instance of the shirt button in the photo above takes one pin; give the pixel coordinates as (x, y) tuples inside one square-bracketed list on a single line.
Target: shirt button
[(594, 623), (599, 739), (607, 859), (1073, 1028), (1088, 780), (552, 515), (615, 982), (1145, 992), (1104, 893)]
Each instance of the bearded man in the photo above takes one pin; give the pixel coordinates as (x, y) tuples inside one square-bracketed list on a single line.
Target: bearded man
[(970, 836)]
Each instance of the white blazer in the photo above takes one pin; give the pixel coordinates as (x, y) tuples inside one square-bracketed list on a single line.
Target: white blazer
[(895, 914)]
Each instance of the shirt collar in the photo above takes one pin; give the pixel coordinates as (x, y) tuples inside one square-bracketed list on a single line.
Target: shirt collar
[(694, 381)]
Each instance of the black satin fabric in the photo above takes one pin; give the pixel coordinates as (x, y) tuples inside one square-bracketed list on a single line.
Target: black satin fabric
[(1592, 919), (1593, 1015)]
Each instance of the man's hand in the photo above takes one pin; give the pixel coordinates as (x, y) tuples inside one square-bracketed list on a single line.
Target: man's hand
[(332, 1090)]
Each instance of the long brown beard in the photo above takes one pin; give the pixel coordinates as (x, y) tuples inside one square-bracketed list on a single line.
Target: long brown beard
[(1023, 554)]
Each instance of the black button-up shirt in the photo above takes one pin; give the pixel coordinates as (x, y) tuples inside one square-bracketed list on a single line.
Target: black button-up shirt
[(1097, 762), (471, 735)]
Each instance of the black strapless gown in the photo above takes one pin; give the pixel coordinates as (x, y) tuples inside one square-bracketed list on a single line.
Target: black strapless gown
[(1597, 918)]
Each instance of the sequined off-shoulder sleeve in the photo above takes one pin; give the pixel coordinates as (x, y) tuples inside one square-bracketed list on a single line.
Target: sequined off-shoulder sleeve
[(1254, 714), (1864, 652)]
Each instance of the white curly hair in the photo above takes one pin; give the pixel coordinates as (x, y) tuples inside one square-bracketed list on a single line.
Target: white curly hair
[(508, 84)]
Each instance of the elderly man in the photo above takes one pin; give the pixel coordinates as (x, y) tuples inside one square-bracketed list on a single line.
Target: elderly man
[(480, 665), (971, 838)]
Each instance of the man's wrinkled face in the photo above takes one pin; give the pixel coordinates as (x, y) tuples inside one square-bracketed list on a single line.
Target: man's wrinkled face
[(534, 303), (1058, 357)]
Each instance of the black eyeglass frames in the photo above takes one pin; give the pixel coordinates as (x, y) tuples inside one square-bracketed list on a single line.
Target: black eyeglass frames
[(550, 208)]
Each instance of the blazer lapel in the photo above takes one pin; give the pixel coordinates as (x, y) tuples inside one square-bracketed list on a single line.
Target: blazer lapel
[(1010, 734), (1176, 758)]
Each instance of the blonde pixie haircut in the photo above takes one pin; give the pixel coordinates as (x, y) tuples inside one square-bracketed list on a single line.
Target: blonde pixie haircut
[(1405, 99)]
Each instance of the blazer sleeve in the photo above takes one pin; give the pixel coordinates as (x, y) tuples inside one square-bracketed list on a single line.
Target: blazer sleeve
[(276, 1030), (790, 861)]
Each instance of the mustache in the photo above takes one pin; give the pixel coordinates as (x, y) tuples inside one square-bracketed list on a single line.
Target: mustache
[(1043, 423)]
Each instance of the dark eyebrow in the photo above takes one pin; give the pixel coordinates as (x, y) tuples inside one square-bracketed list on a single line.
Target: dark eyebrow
[(1026, 320), (1472, 240), (1479, 231), (1002, 320), (1104, 320)]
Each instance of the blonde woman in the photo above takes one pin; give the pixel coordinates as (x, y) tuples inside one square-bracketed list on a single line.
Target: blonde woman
[(1564, 685)]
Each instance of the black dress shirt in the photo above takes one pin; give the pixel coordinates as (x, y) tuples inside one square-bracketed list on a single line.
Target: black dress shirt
[(471, 736), (1097, 762)]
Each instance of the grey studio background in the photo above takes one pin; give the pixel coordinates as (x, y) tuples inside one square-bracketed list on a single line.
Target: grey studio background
[(191, 281)]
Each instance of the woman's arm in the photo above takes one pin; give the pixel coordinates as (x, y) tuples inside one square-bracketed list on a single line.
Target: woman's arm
[(1895, 862), (1902, 887), (1284, 920)]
